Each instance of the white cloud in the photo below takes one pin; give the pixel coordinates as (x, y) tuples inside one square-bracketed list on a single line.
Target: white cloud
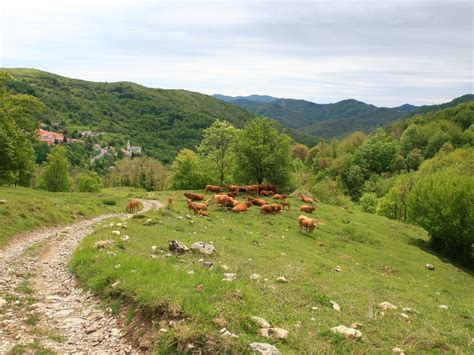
[(385, 52)]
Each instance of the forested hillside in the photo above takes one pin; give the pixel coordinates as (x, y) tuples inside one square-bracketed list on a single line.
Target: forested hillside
[(161, 121), (331, 120)]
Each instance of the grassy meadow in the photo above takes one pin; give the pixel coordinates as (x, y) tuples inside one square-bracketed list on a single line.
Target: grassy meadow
[(379, 260), (27, 209)]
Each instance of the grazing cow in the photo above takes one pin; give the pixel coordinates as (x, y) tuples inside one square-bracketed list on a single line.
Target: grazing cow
[(252, 188), (132, 206), (307, 209), (307, 223), (203, 213), (225, 200), (266, 209), (212, 188), (257, 201), (230, 194), (265, 193), (285, 204), (234, 188), (196, 207), (306, 199), (279, 197), (194, 197), (276, 207), (170, 201)]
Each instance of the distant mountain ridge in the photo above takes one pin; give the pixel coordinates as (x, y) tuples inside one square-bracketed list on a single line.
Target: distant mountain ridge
[(330, 120)]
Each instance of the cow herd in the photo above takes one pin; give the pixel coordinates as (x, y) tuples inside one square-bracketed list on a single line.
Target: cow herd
[(228, 200)]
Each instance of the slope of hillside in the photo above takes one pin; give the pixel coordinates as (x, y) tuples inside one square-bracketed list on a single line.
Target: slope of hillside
[(162, 121), (332, 120), (355, 259)]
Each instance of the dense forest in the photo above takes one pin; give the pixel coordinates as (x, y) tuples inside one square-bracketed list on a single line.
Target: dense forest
[(161, 121), (330, 120)]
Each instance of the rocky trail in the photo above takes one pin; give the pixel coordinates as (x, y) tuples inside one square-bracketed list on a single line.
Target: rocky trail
[(41, 304)]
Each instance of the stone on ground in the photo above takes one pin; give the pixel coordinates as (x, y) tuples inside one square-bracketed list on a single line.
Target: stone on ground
[(203, 248), (335, 306), (349, 333), (264, 348), (262, 322), (386, 306)]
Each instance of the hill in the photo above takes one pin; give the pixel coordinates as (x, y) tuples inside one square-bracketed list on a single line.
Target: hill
[(161, 121), (355, 259), (332, 120)]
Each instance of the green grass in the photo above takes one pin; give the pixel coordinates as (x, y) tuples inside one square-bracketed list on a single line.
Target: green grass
[(381, 260), (31, 348), (28, 209)]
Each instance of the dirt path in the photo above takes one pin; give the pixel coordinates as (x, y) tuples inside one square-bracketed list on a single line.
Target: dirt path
[(44, 305)]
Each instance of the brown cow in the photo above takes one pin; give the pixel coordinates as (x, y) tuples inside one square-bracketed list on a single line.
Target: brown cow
[(257, 201), (194, 197), (306, 199), (307, 209), (212, 188), (203, 213), (266, 209), (276, 207), (241, 207), (196, 207), (170, 201), (132, 206), (233, 188), (307, 223), (285, 204), (265, 193), (225, 200), (279, 197), (252, 188)]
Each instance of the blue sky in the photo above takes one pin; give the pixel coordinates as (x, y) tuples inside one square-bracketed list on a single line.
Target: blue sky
[(382, 52)]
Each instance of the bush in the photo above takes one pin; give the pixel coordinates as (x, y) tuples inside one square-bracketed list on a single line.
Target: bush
[(327, 191), (109, 201), (55, 176), (368, 202), (442, 204), (88, 183)]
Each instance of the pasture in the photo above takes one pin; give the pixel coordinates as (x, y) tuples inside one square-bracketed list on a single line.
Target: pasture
[(26, 209), (355, 259)]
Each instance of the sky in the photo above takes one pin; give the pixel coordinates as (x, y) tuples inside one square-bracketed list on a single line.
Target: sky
[(383, 52)]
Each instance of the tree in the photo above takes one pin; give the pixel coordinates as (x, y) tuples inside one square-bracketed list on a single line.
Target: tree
[(263, 154), (414, 159), (377, 154), (89, 183), (442, 204), (394, 204), (368, 202), (55, 177), (435, 143), (17, 133), (299, 151), (217, 145), (188, 171), (411, 139)]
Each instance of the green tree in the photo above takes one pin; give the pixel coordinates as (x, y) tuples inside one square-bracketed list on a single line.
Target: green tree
[(189, 171), (263, 154), (414, 159), (377, 154), (17, 133), (411, 139), (442, 204), (299, 151), (55, 177), (89, 183), (394, 204), (435, 143), (217, 145), (368, 202)]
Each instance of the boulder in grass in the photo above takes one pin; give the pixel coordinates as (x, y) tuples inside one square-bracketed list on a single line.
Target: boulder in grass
[(387, 306), (3, 202), (282, 279), (262, 322), (443, 306), (335, 306), (349, 333), (229, 276), (101, 244), (177, 247), (429, 267), (116, 232), (277, 333), (203, 248), (264, 348)]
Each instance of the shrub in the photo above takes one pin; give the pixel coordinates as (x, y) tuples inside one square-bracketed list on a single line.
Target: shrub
[(368, 202), (328, 191), (109, 201), (442, 204), (88, 183), (55, 177)]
